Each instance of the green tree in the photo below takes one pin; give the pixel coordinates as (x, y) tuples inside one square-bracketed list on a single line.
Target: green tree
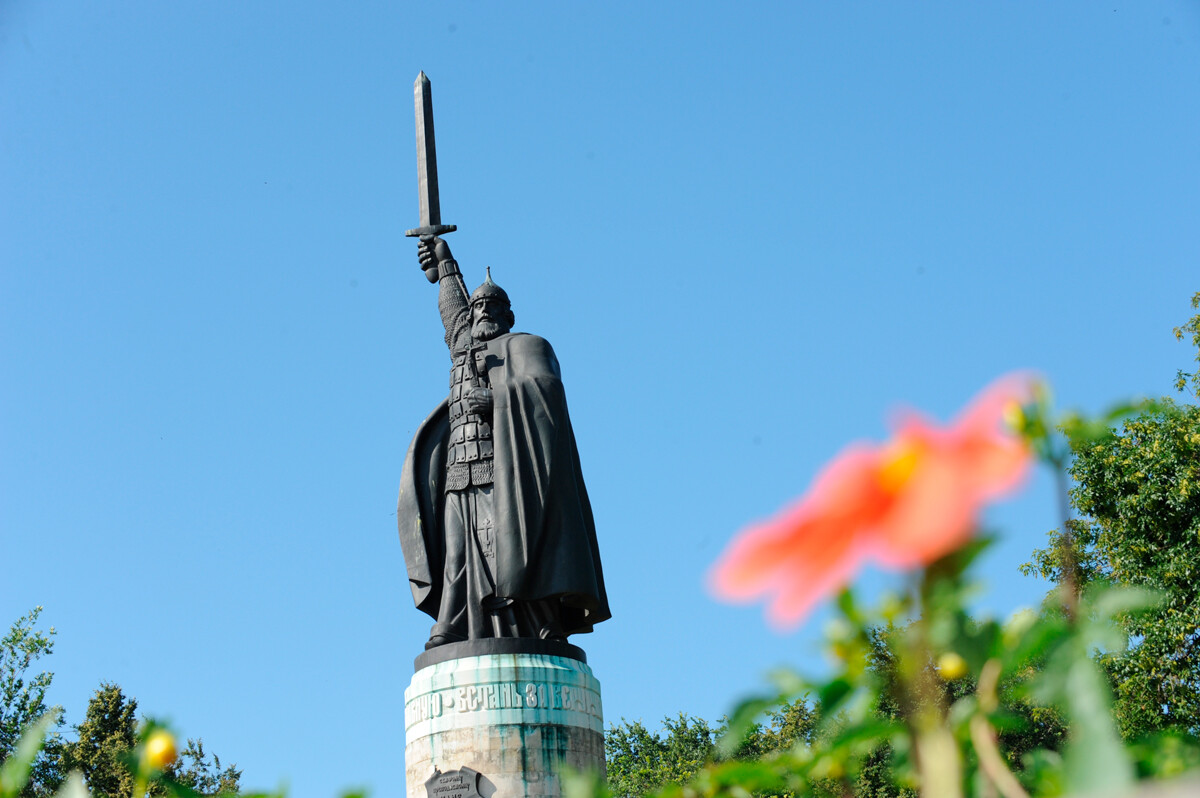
[(1138, 495), (106, 738), (790, 725), (1192, 329), (203, 772), (640, 761), (23, 700)]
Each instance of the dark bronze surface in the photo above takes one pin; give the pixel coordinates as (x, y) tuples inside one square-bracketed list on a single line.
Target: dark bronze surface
[(427, 177), (495, 521), (498, 645)]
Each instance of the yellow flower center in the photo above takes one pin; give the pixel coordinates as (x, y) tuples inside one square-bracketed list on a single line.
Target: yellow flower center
[(899, 462)]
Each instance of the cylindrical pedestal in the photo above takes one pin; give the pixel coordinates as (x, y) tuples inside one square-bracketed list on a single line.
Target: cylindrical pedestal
[(500, 723)]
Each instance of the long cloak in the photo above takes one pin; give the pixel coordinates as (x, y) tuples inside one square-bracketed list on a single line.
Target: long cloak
[(545, 534)]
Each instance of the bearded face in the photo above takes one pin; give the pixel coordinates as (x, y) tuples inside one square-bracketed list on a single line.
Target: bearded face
[(489, 318), (486, 330)]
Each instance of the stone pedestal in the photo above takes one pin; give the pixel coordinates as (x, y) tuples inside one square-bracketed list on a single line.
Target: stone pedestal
[(502, 716)]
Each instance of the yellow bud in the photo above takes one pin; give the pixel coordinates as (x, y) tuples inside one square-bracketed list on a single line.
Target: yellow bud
[(952, 666), (160, 749)]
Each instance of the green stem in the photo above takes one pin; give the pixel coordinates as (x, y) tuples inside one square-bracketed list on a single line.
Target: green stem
[(938, 763), (938, 759), (983, 736)]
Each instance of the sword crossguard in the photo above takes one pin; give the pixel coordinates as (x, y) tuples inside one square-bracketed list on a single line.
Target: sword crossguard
[(431, 230)]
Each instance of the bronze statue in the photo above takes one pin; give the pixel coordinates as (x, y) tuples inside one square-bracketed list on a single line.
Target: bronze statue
[(494, 518)]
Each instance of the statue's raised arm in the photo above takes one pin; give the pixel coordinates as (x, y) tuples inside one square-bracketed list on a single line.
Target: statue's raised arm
[(437, 261)]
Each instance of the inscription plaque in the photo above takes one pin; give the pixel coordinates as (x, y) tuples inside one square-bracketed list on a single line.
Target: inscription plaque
[(461, 783)]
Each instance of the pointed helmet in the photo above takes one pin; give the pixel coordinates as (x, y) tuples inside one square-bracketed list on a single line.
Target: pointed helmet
[(490, 289)]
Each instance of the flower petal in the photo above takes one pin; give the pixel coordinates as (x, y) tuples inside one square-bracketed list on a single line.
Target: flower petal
[(844, 496), (934, 516), (905, 504)]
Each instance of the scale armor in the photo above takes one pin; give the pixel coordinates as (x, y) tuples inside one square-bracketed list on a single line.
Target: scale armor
[(469, 451)]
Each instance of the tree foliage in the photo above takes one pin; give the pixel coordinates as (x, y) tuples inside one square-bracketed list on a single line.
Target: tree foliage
[(105, 746), (23, 698), (1138, 494), (1192, 330), (203, 772), (106, 738), (1027, 726), (641, 761)]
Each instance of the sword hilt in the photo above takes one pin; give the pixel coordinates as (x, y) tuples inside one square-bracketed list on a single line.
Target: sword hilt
[(431, 230), (427, 232)]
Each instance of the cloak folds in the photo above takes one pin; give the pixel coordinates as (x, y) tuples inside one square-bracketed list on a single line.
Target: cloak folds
[(544, 531)]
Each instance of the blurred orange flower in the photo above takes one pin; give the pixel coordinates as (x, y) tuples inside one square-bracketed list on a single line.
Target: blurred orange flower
[(903, 504)]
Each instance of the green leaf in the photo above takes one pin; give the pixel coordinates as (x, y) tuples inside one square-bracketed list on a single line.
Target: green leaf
[(15, 772), (866, 734), (1110, 603), (1031, 642), (1043, 771), (743, 721), (744, 778), (847, 604), (73, 787), (788, 683), (174, 787), (1095, 759), (952, 565), (585, 784), (832, 694)]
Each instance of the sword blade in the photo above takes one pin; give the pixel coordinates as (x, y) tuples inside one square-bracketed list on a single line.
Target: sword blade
[(427, 177)]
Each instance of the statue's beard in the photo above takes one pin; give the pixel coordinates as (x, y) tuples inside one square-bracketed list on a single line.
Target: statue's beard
[(486, 330)]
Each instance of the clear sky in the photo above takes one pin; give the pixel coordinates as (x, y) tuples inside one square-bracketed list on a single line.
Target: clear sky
[(750, 232)]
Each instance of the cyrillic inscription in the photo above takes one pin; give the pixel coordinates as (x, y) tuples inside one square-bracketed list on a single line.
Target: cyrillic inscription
[(501, 695)]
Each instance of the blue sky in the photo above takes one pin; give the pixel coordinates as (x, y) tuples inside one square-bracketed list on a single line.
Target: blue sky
[(749, 232)]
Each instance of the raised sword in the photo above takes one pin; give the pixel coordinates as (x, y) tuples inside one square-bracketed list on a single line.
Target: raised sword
[(427, 179)]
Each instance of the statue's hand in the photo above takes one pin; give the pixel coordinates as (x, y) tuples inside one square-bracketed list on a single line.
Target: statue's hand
[(432, 251), (479, 401)]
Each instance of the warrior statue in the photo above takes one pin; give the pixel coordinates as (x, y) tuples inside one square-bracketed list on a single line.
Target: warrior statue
[(495, 522), (494, 517)]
